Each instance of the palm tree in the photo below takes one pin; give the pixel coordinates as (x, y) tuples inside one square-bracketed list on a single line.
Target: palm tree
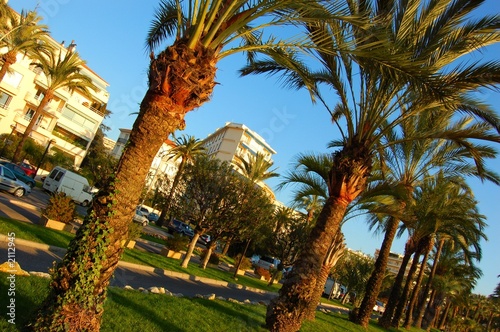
[(187, 148), (256, 168), (61, 70), (417, 30), (181, 78), (21, 34)]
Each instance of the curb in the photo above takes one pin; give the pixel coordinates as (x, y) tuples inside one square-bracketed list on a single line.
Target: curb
[(41, 246)]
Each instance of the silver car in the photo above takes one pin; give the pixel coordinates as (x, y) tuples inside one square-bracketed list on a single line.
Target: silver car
[(11, 184)]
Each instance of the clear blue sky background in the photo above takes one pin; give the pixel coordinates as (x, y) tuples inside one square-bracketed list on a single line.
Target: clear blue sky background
[(110, 37)]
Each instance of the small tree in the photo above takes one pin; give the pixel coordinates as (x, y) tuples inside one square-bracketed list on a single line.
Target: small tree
[(61, 208)]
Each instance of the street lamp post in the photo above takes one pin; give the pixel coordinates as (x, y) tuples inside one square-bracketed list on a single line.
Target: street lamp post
[(43, 156), (13, 127)]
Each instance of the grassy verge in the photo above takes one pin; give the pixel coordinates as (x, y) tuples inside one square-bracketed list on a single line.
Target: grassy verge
[(153, 312), (40, 234)]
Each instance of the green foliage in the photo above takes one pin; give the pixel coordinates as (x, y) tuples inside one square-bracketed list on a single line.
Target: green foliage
[(98, 166), (177, 242), (61, 208), (245, 263), (134, 231)]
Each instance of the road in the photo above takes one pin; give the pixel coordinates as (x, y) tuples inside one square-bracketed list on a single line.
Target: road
[(40, 260)]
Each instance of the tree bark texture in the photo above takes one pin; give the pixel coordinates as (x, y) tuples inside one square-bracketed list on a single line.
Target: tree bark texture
[(375, 282), (347, 180), (287, 311), (178, 82)]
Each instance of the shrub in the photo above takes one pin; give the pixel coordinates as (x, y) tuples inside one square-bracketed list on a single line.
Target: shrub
[(214, 258), (177, 242), (60, 208), (261, 272), (134, 231), (245, 263)]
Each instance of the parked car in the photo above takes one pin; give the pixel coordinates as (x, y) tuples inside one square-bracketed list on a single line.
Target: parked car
[(11, 184), (139, 218), (379, 307), (30, 170), (153, 217), (177, 226), (19, 173), (204, 239), (268, 262), (143, 210)]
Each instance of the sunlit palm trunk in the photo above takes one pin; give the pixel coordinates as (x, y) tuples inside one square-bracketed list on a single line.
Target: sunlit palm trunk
[(286, 312), (395, 295), (79, 284), (45, 100), (378, 274), (335, 251)]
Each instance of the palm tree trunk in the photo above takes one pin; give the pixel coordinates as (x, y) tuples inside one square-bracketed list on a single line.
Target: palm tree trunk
[(335, 251), (406, 290), (80, 280), (444, 316), (421, 306), (395, 296), (45, 100), (287, 311), (416, 289), (375, 282)]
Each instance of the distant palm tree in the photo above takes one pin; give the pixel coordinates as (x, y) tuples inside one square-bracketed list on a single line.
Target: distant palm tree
[(256, 168), (20, 34), (61, 70), (186, 149)]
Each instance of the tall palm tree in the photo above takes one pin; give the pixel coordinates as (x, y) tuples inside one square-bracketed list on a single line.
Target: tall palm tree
[(61, 69), (21, 34), (434, 35), (181, 78), (186, 149)]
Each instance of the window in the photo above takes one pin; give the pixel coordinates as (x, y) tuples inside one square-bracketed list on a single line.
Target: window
[(59, 176), (5, 100), (8, 174), (78, 119), (29, 115)]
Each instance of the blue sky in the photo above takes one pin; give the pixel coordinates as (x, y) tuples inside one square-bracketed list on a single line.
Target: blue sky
[(110, 37)]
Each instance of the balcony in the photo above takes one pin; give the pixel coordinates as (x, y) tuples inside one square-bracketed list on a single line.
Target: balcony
[(33, 99)]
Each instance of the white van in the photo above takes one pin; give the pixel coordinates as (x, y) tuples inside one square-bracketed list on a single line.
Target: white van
[(72, 184)]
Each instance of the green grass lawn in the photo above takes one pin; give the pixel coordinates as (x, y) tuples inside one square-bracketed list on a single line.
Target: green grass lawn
[(128, 310)]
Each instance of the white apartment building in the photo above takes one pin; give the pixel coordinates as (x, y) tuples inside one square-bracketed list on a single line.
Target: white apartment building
[(235, 139), (70, 120), (394, 263)]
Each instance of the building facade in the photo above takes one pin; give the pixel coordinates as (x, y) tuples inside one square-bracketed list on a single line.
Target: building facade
[(235, 139), (70, 120), (394, 263)]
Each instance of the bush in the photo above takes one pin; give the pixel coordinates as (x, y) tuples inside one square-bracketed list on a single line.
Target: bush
[(177, 242), (134, 231), (261, 272), (245, 263), (214, 258), (60, 208)]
